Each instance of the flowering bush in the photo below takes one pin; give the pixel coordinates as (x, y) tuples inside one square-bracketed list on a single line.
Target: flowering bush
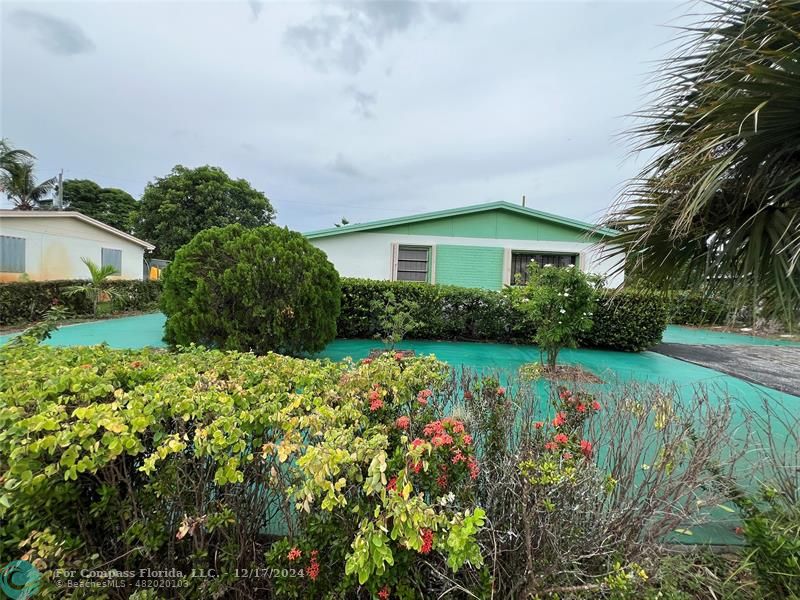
[(558, 303), (196, 460), (381, 485)]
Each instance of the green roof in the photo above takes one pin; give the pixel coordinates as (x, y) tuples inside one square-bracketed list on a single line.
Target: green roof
[(465, 210)]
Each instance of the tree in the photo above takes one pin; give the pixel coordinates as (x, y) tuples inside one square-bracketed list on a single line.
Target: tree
[(10, 157), (718, 208), (96, 288), (112, 206), (19, 184), (558, 302), (175, 208), (262, 289)]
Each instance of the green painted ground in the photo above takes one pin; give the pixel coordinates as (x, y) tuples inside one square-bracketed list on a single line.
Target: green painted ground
[(612, 367), (676, 334)]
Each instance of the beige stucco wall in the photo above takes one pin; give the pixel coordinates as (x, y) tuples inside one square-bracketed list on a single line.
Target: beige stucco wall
[(54, 247)]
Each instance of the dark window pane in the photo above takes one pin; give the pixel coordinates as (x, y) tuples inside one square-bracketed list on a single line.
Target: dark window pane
[(521, 260)]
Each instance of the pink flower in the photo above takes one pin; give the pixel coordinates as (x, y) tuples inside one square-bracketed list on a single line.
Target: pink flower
[(551, 446), (376, 404), (392, 485), (398, 356), (538, 425), (467, 439), (294, 554), (417, 466), (422, 399), (366, 361), (313, 565), (560, 419), (596, 405), (564, 394), (441, 481), (403, 422), (384, 593), (443, 439), (566, 455), (417, 442), (374, 395), (458, 457), (501, 391), (581, 407), (586, 448), (472, 464), (560, 438)]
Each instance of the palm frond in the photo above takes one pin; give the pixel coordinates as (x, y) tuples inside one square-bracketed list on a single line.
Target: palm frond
[(718, 207)]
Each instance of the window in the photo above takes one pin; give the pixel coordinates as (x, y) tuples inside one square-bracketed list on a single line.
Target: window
[(111, 257), (12, 254), (521, 260), (412, 263)]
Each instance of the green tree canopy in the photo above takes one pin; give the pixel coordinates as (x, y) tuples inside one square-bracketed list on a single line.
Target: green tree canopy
[(175, 208), (718, 208), (261, 289), (112, 206)]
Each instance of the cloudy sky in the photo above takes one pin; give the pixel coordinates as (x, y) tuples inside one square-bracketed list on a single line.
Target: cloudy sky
[(360, 110)]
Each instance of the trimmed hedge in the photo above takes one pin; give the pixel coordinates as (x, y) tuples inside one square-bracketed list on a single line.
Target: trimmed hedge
[(688, 308), (26, 301), (628, 320)]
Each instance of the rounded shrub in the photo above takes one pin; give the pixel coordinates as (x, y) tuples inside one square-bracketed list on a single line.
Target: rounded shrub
[(262, 289)]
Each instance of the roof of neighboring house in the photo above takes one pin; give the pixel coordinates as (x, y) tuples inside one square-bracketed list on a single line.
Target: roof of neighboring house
[(54, 214), (465, 210)]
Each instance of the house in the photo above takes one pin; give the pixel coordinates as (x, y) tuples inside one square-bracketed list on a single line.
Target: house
[(48, 245), (485, 246)]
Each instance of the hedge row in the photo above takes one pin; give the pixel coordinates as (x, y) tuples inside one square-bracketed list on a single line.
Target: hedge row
[(629, 320), (26, 301), (688, 308)]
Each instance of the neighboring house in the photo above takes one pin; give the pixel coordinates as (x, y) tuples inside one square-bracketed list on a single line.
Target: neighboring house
[(48, 245), (485, 246)]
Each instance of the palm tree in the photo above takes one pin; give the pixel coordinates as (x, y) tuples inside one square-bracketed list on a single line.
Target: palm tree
[(718, 208), (19, 184), (96, 287), (9, 158)]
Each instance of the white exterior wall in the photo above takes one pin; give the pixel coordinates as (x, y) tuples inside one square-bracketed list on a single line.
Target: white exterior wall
[(369, 255), (54, 247)]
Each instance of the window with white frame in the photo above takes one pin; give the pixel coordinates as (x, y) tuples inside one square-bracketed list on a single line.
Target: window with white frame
[(413, 263), (521, 260), (12, 254), (111, 257)]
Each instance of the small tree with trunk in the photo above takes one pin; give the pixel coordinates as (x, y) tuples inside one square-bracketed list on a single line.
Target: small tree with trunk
[(558, 302), (96, 288)]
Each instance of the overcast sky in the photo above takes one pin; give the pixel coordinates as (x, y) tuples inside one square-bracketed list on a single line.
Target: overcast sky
[(359, 110)]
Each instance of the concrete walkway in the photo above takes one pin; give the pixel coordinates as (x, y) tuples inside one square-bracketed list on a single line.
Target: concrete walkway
[(776, 367)]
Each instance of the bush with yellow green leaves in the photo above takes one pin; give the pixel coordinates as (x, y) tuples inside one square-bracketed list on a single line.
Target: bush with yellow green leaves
[(202, 461)]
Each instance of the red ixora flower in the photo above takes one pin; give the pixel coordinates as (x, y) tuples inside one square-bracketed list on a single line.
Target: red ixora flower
[(313, 565), (443, 439), (427, 541), (384, 593), (586, 448), (294, 554), (367, 361), (467, 439), (441, 481), (567, 455), (417, 466), (398, 356), (564, 394), (376, 404), (551, 446), (403, 422), (538, 424), (560, 419), (596, 405), (374, 395), (581, 407), (392, 485), (501, 391), (472, 464), (417, 442), (560, 438)]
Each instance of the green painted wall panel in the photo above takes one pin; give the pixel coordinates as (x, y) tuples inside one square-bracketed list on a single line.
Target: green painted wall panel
[(469, 266), (497, 224)]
